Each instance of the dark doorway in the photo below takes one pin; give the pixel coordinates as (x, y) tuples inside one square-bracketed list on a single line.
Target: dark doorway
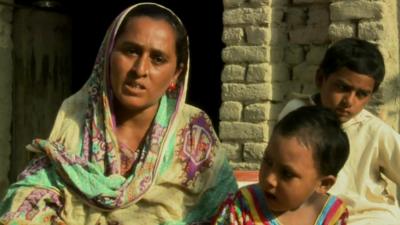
[(203, 20)]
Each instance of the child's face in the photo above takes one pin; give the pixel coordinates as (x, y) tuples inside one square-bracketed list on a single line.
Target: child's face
[(288, 174), (346, 92)]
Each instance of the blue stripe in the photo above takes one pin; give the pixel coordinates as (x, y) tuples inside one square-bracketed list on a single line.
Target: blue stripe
[(326, 209)]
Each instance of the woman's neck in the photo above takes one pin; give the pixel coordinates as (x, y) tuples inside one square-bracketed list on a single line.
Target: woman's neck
[(132, 125), (134, 117)]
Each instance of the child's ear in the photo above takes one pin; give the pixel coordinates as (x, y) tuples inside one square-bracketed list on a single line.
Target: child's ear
[(326, 182), (319, 78)]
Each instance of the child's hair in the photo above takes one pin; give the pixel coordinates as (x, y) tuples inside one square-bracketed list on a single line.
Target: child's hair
[(319, 129), (356, 55)]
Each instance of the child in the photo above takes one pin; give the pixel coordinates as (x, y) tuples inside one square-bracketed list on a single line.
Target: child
[(350, 72), (298, 168)]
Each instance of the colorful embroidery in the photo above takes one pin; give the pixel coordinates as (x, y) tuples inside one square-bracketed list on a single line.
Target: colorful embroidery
[(195, 147)]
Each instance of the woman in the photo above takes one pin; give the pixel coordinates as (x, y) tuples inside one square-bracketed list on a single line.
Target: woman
[(126, 149)]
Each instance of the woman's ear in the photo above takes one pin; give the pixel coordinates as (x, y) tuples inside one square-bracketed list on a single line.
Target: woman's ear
[(319, 78), (325, 183), (179, 70)]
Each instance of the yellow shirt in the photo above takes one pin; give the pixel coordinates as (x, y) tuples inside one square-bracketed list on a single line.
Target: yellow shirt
[(367, 182)]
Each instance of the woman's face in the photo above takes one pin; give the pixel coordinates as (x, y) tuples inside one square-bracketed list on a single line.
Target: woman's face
[(143, 63)]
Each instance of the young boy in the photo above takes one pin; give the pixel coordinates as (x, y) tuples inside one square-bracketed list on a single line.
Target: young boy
[(350, 72), (299, 166)]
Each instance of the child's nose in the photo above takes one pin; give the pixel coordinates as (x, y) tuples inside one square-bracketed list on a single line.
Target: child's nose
[(349, 98), (271, 179)]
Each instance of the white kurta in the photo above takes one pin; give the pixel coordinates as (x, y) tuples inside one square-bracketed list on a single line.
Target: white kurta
[(367, 182)]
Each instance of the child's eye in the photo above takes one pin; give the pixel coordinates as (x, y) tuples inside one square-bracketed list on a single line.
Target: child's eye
[(286, 174), (361, 94), (342, 87)]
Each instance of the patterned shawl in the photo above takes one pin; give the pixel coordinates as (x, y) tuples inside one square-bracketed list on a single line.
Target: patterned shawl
[(180, 175)]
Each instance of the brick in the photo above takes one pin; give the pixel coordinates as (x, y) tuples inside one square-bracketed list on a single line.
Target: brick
[(232, 36), (277, 3), (278, 36), (371, 31), (258, 73), (243, 54), (243, 132), (305, 72), (230, 111), (309, 35), (250, 93), (256, 112), (253, 152), (245, 92), (277, 18), (267, 73), (259, 2), (275, 54), (295, 2), (315, 55), (296, 17), (233, 150), (340, 30), (246, 16), (294, 54), (274, 111), (233, 73), (318, 16), (356, 9), (257, 35), (280, 72), (233, 3)]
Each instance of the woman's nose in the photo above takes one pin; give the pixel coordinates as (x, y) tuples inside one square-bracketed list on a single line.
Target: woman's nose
[(140, 66)]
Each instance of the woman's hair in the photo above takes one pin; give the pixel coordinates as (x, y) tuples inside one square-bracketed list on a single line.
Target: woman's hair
[(320, 130), (356, 55), (158, 12)]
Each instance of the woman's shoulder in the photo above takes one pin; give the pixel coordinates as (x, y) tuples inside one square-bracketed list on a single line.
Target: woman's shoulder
[(191, 112)]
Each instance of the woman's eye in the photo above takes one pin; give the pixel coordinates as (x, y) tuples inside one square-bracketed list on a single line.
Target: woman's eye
[(158, 59), (130, 51)]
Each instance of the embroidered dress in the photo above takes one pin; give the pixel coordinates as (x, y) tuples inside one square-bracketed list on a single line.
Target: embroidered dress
[(248, 207), (367, 182), (180, 174)]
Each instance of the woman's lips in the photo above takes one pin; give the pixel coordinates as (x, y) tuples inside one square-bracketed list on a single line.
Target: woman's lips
[(134, 88)]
